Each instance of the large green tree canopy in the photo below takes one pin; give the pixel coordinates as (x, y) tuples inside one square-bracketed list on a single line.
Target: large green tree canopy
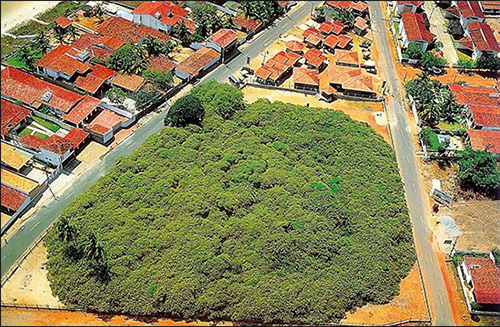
[(281, 214)]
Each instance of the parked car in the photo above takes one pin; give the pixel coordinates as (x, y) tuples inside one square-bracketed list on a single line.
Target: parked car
[(233, 80)]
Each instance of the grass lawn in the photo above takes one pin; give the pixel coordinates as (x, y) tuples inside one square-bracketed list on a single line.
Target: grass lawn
[(396, 27), (51, 126), (29, 27), (132, 3), (463, 56), (14, 61), (25, 132), (10, 44), (64, 8), (450, 127), (41, 135), (434, 141)]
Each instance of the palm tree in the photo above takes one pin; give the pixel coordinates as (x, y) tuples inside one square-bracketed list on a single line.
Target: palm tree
[(59, 34), (65, 231), (93, 248), (152, 45), (41, 43), (71, 31), (430, 113), (25, 55), (99, 11), (247, 7)]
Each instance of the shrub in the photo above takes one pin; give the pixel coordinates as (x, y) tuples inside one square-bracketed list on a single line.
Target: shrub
[(478, 170), (186, 110), (489, 62)]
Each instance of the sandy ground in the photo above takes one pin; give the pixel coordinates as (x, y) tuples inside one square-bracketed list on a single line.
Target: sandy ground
[(369, 112), (15, 12), (408, 304)]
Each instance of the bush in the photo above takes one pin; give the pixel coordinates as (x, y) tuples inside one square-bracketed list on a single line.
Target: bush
[(186, 110), (116, 95), (413, 51), (429, 61), (478, 170), (147, 96), (489, 62), (222, 99), (465, 63), (162, 79)]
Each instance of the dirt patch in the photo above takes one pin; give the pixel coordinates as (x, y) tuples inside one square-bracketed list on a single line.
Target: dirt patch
[(495, 26), (408, 304)]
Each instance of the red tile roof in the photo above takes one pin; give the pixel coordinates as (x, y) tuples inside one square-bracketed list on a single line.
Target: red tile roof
[(224, 37), (82, 110), (111, 42), (263, 72), (360, 23), (348, 5), (466, 41), (100, 129), (59, 60), (127, 32), (29, 89), (485, 279), (327, 27), (344, 40), (305, 76), (314, 39), (63, 21), (93, 81), (310, 31), (347, 57), (414, 25), (12, 114), (482, 36), (12, 199), (490, 5), (414, 3), (478, 95), (129, 82), (277, 65), (315, 57), (470, 9), (486, 115), (480, 139), (161, 63), (350, 78), (295, 46), (54, 143), (76, 136), (246, 23), (165, 8), (338, 27), (331, 41), (193, 64), (454, 11)]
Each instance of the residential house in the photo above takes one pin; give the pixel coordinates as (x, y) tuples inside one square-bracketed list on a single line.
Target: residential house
[(161, 63), (63, 22), (55, 150), (63, 62), (278, 68), (247, 25), (489, 140), (347, 58), (310, 31), (130, 83), (223, 41), (483, 117), (93, 82), (483, 278), (78, 138), (479, 40), (491, 7), (357, 8), (35, 92), (196, 64), (305, 79), (12, 158), (161, 16), (13, 203), (128, 32), (12, 117), (314, 40), (469, 11), (407, 6), (295, 46), (337, 41), (315, 59), (20, 183), (360, 26), (349, 81), (102, 134), (414, 30), (83, 112), (327, 28)]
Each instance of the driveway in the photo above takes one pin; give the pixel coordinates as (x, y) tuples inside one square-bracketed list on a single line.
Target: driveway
[(438, 27)]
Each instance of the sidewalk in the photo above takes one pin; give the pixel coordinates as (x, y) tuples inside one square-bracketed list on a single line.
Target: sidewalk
[(438, 27)]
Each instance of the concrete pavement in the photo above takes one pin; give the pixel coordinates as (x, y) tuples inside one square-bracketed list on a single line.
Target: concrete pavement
[(438, 27), (21, 239), (410, 173)]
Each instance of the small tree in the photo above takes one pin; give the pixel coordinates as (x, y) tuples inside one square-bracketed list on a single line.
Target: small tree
[(478, 170), (116, 95), (465, 63), (429, 61), (319, 14), (152, 45), (27, 56), (186, 110), (163, 79), (489, 62), (129, 59), (413, 51), (41, 43), (425, 135)]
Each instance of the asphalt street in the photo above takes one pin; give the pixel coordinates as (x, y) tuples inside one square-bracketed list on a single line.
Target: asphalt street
[(407, 160), (21, 239)]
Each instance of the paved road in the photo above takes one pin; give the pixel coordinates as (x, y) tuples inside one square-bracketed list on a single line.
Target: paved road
[(438, 27), (405, 152), (36, 225)]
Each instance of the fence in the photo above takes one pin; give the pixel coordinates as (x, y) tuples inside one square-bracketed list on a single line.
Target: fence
[(272, 87)]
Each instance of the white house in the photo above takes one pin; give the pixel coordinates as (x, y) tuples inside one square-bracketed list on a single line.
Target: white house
[(54, 150), (161, 15), (413, 30)]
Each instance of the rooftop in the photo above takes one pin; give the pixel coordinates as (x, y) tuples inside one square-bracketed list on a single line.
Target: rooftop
[(12, 158), (482, 36), (163, 8), (29, 89), (93, 81), (470, 9), (414, 3), (350, 78), (490, 5), (193, 64), (305, 76), (82, 110), (310, 31), (59, 60), (99, 128), (295, 46), (485, 279), (63, 21), (161, 63), (12, 199), (76, 136), (481, 139), (17, 181), (347, 57), (315, 57), (360, 23), (249, 24), (54, 143), (107, 119), (486, 115), (129, 82), (478, 95), (127, 32), (12, 114), (314, 39), (224, 37), (414, 25), (348, 5)]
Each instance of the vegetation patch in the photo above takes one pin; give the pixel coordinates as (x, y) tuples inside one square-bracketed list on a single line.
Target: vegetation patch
[(10, 45), (29, 27), (51, 126), (280, 213), (63, 8), (25, 132), (41, 135)]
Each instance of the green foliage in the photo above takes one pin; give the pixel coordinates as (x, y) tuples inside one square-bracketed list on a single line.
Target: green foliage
[(51, 126), (496, 256), (478, 170), (489, 62), (345, 17), (466, 63), (116, 95), (264, 11), (429, 61), (186, 110), (281, 214), (98, 61), (147, 96), (63, 8), (182, 32), (319, 14), (222, 99), (153, 46), (208, 18), (414, 51), (162, 79), (129, 59)]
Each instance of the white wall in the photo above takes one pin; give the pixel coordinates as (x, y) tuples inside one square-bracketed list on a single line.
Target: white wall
[(150, 21), (51, 157)]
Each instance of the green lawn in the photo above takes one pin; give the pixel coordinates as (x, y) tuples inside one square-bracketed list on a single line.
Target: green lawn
[(64, 8), (10, 44), (450, 127), (51, 126), (434, 141), (25, 132), (396, 27), (15, 62), (41, 135), (29, 27)]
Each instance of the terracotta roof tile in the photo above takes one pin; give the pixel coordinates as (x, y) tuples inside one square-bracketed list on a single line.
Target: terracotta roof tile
[(305, 76), (59, 60), (348, 5), (480, 139), (29, 89), (478, 95), (470, 9), (344, 41), (129, 82), (127, 32), (466, 41), (11, 198), (56, 144), (350, 78), (224, 37), (314, 39), (414, 3), (414, 25), (490, 5), (347, 57), (327, 27), (95, 79), (295, 46), (482, 36), (338, 27), (315, 57), (11, 157), (331, 41), (12, 114), (310, 31), (76, 136), (486, 115), (193, 64), (164, 8), (485, 279), (111, 42), (263, 72), (360, 23), (247, 23), (161, 63), (82, 110), (100, 129), (63, 21)]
